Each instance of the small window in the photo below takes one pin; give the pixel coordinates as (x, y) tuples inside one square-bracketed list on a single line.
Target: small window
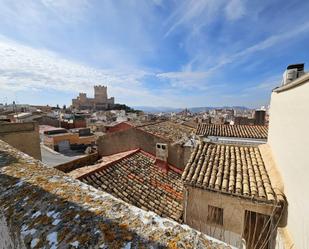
[(163, 147), (215, 215), (158, 146)]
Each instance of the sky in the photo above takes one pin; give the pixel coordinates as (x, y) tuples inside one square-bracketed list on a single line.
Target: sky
[(173, 53)]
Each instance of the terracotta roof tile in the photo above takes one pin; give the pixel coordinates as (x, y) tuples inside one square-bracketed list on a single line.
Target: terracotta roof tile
[(231, 169), (168, 130), (136, 180), (241, 131)]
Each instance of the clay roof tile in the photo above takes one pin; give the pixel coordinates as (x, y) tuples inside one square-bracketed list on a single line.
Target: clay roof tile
[(232, 169)]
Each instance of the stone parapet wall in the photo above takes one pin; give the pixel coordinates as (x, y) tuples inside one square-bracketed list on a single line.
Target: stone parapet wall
[(23, 136), (17, 127), (78, 163)]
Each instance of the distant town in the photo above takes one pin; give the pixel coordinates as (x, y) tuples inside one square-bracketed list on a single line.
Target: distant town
[(76, 128)]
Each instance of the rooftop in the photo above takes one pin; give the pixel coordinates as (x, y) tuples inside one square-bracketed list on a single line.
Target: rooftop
[(240, 131), (42, 207), (299, 81), (138, 123), (229, 169), (22, 115), (137, 180), (43, 128), (168, 130), (79, 172)]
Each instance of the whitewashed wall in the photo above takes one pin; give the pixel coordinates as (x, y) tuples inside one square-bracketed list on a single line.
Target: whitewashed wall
[(289, 141)]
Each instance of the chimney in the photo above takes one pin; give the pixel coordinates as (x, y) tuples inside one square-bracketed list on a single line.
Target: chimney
[(293, 72), (161, 156)]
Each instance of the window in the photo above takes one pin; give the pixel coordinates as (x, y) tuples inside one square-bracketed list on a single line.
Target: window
[(215, 215), (158, 146), (163, 147)]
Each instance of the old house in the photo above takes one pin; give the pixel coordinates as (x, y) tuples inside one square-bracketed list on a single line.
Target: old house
[(147, 136), (229, 194)]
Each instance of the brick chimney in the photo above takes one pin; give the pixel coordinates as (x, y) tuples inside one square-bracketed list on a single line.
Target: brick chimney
[(161, 156)]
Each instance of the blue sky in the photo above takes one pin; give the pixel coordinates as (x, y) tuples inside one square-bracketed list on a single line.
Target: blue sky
[(151, 53)]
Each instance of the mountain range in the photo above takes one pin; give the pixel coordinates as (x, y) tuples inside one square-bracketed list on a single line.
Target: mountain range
[(152, 109)]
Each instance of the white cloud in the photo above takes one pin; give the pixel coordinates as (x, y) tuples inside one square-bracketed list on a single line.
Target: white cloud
[(67, 10), (268, 84), (185, 79), (235, 9), (26, 69), (267, 43), (122, 38), (158, 3), (193, 14), (23, 67), (102, 31), (39, 12)]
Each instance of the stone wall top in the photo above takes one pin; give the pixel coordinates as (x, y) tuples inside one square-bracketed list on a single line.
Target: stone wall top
[(43, 207), (17, 127)]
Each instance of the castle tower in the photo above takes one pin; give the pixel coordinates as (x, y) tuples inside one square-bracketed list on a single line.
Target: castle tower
[(82, 97), (100, 94)]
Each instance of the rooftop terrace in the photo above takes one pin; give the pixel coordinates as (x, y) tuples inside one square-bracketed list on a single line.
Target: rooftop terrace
[(42, 207)]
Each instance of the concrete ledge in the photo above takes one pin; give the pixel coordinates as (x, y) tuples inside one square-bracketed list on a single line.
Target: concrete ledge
[(42, 207)]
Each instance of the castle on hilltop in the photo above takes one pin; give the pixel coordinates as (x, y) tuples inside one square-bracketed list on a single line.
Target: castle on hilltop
[(99, 102)]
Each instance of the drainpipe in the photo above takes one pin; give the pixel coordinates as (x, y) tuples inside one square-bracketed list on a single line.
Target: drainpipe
[(185, 204)]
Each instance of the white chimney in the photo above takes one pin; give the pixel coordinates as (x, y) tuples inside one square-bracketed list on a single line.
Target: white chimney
[(292, 72), (161, 151), (161, 156)]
